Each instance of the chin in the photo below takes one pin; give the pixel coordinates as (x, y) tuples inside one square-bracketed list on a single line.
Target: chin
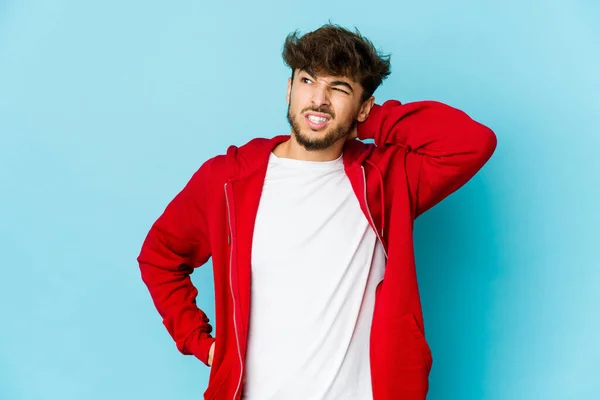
[(315, 140)]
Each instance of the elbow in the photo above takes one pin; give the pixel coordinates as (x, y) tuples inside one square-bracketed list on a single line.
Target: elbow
[(477, 137), (486, 142)]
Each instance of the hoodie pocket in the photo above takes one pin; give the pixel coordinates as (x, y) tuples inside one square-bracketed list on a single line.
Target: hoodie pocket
[(215, 384)]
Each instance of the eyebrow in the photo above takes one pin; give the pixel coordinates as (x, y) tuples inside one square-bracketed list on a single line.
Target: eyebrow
[(334, 83)]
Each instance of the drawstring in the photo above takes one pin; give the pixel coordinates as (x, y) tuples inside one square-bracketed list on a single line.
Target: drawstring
[(381, 196)]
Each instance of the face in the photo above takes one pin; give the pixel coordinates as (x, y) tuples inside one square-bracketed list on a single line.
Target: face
[(323, 110)]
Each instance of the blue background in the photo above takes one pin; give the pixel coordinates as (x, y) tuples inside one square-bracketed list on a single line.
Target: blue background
[(107, 108)]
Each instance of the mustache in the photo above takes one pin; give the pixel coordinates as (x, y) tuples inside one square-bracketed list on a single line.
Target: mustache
[(320, 110)]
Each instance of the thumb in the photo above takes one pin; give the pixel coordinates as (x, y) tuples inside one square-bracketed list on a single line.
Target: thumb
[(211, 353)]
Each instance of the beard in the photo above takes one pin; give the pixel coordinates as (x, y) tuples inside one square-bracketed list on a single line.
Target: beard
[(331, 136)]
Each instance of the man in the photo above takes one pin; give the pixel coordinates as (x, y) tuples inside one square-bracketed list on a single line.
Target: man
[(311, 236)]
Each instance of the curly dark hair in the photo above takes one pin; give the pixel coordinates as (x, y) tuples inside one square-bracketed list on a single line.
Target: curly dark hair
[(337, 51)]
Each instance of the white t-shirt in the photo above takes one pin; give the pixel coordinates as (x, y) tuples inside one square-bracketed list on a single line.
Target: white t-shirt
[(315, 265)]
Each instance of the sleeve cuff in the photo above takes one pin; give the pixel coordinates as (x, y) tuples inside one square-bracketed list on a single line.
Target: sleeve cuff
[(203, 348), (366, 129)]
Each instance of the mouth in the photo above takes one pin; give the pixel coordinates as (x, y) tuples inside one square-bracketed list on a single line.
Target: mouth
[(317, 121)]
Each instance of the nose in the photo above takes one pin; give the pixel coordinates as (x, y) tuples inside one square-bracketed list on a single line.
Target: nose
[(320, 96)]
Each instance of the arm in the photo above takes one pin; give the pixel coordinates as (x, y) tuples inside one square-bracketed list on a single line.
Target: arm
[(445, 147), (176, 244)]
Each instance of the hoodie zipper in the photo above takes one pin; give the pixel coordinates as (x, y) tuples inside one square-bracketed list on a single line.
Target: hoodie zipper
[(369, 211), (237, 341), (230, 241)]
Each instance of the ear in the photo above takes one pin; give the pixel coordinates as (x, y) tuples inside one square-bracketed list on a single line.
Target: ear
[(289, 90), (365, 109)]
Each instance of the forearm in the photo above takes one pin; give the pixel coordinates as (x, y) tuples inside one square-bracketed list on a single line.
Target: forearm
[(177, 243), (444, 146)]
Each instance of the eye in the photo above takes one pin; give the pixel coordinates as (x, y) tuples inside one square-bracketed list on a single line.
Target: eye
[(305, 80), (340, 90)]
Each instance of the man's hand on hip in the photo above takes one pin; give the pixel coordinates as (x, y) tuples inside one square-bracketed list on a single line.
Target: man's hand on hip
[(211, 354)]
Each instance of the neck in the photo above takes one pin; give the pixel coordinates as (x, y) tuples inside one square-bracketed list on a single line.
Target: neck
[(292, 149)]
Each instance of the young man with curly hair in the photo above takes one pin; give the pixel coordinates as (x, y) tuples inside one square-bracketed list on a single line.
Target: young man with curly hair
[(310, 236)]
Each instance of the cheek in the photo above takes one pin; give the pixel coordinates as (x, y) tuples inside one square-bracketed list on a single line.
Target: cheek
[(344, 112), (300, 98), (298, 103)]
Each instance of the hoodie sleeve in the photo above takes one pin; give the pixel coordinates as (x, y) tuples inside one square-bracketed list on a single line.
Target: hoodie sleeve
[(177, 243), (444, 146)]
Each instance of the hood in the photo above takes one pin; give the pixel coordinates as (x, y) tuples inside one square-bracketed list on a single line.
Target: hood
[(253, 156), (244, 161)]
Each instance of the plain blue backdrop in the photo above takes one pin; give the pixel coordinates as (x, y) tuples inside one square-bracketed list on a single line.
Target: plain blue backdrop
[(108, 107)]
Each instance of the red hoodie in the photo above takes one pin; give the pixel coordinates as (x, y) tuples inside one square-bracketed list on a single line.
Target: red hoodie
[(423, 151)]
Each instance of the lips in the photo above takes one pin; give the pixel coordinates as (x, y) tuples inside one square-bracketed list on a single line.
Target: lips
[(317, 121)]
